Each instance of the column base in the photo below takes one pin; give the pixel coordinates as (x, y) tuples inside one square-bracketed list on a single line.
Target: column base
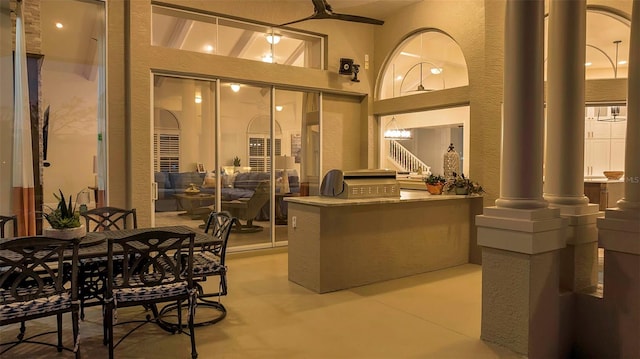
[(522, 230), (520, 278), (579, 260), (619, 231)]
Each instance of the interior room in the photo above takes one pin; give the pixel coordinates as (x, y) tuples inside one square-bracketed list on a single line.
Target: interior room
[(318, 126)]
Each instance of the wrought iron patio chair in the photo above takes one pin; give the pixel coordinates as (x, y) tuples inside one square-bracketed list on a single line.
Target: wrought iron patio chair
[(93, 272), (6, 219), (209, 261), (150, 276), (32, 285)]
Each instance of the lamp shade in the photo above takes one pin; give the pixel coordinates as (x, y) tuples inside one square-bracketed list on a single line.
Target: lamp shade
[(283, 162)]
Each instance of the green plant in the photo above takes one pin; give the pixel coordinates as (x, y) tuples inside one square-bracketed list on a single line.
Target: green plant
[(464, 183), (434, 179), (64, 215), (236, 161)]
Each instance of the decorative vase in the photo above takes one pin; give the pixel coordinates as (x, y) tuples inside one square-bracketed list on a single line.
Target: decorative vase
[(461, 190), (192, 189), (65, 233), (434, 188)]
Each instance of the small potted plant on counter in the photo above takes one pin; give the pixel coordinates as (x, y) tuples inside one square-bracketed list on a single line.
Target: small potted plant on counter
[(434, 183), (64, 220), (462, 185)]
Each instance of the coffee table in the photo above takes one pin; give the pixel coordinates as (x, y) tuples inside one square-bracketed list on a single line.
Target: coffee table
[(192, 204)]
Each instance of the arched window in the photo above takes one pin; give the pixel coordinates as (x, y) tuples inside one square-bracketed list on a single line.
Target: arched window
[(607, 51), (428, 60)]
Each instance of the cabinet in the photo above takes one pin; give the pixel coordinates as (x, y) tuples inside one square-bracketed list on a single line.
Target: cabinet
[(604, 142), (604, 193)]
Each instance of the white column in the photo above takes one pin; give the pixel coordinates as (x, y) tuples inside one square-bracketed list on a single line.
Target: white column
[(631, 200), (523, 126), (564, 174), (619, 231), (521, 236)]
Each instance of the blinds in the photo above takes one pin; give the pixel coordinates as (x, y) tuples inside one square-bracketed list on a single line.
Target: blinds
[(166, 152), (259, 148)]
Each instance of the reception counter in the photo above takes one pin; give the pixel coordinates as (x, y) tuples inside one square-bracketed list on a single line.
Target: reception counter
[(337, 244)]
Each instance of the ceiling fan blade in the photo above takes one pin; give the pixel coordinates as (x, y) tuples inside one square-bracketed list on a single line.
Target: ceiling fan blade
[(300, 20), (322, 10), (355, 18)]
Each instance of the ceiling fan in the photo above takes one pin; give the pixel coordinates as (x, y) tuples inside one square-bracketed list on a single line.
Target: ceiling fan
[(322, 10)]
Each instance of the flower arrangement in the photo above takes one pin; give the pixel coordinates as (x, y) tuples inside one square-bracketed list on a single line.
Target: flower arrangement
[(64, 215), (462, 185), (236, 161), (434, 179), (435, 183)]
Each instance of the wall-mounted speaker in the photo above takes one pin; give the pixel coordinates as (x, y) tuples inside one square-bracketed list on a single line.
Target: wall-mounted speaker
[(346, 66)]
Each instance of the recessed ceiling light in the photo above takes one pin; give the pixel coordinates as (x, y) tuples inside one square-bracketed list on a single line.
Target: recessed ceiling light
[(279, 108), (59, 25), (588, 64), (436, 70), (208, 48), (623, 62), (399, 77), (267, 58), (198, 99), (235, 87)]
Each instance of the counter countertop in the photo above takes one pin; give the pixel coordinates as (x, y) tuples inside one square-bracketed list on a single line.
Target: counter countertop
[(603, 180), (405, 196)]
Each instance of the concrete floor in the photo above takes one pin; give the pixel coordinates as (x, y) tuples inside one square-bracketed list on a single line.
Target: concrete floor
[(432, 315)]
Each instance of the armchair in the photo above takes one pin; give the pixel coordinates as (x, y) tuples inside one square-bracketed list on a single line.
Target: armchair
[(150, 275), (32, 285), (249, 209)]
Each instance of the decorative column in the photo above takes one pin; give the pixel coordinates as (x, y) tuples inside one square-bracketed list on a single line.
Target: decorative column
[(564, 165), (521, 237), (619, 231)]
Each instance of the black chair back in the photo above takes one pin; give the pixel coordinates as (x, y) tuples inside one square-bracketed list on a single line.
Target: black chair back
[(110, 218), (6, 219)]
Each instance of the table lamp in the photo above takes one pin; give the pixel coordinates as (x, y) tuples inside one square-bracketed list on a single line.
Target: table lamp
[(284, 163)]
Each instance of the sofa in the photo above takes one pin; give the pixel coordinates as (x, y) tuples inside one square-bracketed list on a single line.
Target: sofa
[(233, 187)]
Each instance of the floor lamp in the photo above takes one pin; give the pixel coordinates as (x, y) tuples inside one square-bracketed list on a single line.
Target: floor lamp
[(284, 163)]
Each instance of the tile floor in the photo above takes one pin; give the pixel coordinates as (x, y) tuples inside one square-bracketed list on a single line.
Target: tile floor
[(432, 315)]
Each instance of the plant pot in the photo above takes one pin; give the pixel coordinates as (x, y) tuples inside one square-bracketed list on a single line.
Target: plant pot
[(435, 188), (65, 233), (461, 190)]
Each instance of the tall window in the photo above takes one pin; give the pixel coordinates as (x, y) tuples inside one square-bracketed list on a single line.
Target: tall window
[(259, 148), (166, 152)]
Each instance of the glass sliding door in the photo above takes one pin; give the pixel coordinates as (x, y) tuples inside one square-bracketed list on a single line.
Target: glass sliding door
[(298, 164), (184, 145), (247, 142), (69, 88)]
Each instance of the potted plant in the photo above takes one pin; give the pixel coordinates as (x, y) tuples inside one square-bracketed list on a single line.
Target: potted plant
[(236, 164), (462, 185), (434, 183), (64, 220)]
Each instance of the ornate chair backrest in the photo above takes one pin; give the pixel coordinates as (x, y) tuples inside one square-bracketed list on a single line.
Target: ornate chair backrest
[(149, 259), (219, 225), (109, 219), (34, 267), (6, 219)]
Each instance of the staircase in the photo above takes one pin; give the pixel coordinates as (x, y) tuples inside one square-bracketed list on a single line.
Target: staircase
[(403, 158)]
